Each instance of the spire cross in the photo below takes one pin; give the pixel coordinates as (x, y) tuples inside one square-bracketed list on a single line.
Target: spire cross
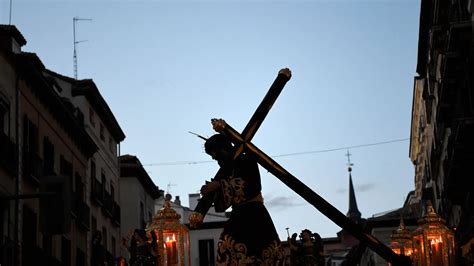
[(243, 141), (349, 164)]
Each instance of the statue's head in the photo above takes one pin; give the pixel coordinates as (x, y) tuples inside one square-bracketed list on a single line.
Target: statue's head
[(219, 147), (306, 235)]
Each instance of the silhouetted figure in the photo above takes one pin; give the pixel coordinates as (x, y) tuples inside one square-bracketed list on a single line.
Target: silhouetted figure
[(142, 251), (308, 251), (294, 252), (249, 236)]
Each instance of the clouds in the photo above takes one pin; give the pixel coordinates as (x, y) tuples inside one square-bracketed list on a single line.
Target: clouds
[(280, 203), (359, 188)]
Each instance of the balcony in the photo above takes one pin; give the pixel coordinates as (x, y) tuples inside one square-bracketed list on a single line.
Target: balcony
[(8, 154), (97, 193)]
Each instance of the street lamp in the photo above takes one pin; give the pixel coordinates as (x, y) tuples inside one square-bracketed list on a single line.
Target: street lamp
[(401, 240), (433, 241), (172, 237)]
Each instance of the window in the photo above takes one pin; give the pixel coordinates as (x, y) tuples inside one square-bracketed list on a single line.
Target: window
[(65, 167), (113, 246), (93, 224), (111, 144), (102, 133), (104, 237), (80, 257), (48, 157), (112, 191), (92, 117), (65, 251), (142, 215), (206, 252), (48, 244), (93, 175), (31, 162), (29, 234), (79, 116), (4, 115), (79, 186), (103, 178)]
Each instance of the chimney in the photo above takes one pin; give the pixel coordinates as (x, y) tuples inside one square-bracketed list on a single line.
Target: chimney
[(11, 39), (193, 200), (177, 201)]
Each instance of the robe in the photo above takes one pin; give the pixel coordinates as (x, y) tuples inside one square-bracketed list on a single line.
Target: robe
[(249, 236)]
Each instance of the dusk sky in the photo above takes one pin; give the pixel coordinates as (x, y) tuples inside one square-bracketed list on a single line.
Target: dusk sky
[(168, 67)]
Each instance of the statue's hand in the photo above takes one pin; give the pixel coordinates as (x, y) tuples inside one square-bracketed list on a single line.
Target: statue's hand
[(210, 187), (195, 219), (218, 124)]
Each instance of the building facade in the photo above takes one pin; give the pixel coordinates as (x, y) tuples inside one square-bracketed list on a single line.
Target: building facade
[(101, 185), (442, 125), (44, 138), (55, 126)]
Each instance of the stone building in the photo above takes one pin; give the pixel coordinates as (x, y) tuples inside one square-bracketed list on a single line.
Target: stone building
[(53, 125), (101, 185), (442, 124), (44, 136)]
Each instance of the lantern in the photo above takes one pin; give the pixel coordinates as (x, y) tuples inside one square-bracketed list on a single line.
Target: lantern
[(401, 242), (172, 236), (433, 241)]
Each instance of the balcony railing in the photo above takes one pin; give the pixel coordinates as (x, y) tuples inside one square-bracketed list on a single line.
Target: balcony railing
[(8, 154)]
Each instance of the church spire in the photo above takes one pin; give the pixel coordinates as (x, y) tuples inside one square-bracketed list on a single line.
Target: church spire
[(353, 212)]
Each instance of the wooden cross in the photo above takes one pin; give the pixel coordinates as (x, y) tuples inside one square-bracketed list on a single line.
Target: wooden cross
[(243, 142)]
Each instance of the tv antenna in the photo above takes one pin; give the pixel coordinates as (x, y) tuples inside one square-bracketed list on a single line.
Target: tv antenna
[(74, 20), (168, 187)]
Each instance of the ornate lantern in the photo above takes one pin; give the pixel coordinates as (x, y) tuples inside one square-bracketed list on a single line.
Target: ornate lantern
[(172, 236), (401, 242), (433, 241)]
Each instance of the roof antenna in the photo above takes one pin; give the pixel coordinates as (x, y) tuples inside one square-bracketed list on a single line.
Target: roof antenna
[(74, 20), (199, 136)]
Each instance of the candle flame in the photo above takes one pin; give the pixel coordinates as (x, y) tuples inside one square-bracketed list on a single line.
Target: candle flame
[(171, 239), (437, 240)]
